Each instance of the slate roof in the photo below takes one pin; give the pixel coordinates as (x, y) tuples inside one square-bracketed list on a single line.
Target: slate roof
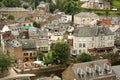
[(38, 33), (28, 44), (93, 31), (88, 76), (117, 71), (23, 20), (86, 14)]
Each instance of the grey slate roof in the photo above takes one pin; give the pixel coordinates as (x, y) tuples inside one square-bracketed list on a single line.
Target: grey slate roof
[(28, 44), (93, 31), (86, 14), (83, 66), (117, 71), (38, 33)]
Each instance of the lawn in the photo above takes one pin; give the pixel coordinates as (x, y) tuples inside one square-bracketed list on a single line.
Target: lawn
[(116, 3)]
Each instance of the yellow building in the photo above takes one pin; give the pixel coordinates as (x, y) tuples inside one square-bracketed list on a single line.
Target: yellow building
[(17, 12)]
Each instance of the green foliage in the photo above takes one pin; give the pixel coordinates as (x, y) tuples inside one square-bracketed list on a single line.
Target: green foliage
[(52, 7), (49, 58), (36, 3), (116, 3), (1, 4), (68, 6), (11, 17), (35, 24), (11, 3), (117, 43), (5, 62), (41, 56), (84, 57), (25, 6), (61, 52)]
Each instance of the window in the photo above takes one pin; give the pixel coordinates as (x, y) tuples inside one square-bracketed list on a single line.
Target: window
[(79, 51), (24, 25), (83, 44), (30, 54), (80, 45), (25, 54)]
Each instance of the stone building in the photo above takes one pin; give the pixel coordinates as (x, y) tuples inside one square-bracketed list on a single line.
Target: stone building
[(94, 70), (93, 40)]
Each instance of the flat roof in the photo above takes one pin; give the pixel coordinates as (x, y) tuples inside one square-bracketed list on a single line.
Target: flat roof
[(28, 27)]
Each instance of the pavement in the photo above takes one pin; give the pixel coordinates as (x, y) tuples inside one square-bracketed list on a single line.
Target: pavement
[(14, 75)]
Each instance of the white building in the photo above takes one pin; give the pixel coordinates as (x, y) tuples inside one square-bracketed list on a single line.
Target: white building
[(93, 40), (65, 18), (85, 18)]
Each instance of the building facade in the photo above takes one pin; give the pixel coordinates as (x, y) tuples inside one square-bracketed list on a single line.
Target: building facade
[(85, 18), (15, 11), (92, 40)]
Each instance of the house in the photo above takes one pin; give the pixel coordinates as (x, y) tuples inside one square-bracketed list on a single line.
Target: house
[(93, 40), (43, 6), (65, 18), (94, 70), (15, 29), (29, 49), (41, 38), (25, 22), (15, 11), (85, 18), (98, 4), (116, 30), (41, 13), (11, 46)]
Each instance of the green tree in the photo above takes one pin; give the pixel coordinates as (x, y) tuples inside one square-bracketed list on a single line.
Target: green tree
[(49, 58), (52, 7), (11, 17), (25, 6), (84, 57), (5, 62), (41, 56), (61, 52), (1, 4), (12, 3), (35, 24)]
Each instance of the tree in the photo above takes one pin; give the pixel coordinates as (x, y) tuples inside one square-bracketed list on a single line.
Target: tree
[(25, 6), (5, 62), (11, 3), (84, 57), (41, 56), (61, 52), (35, 24), (49, 58), (11, 17), (52, 7)]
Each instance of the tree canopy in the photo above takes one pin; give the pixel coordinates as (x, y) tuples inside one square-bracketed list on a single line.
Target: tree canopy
[(61, 52), (84, 57), (41, 56), (35, 24), (5, 61), (10, 3)]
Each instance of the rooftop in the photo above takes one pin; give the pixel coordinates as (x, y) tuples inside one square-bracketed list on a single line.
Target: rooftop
[(86, 14), (92, 70), (28, 27), (13, 9), (93, 31)]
